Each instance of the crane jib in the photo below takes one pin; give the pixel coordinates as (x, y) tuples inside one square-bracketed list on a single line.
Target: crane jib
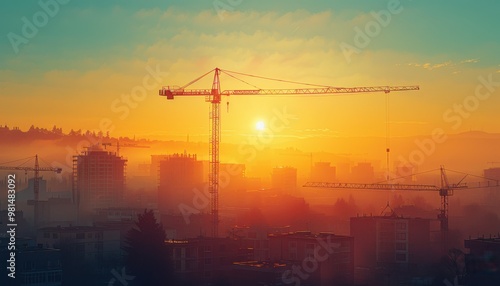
[(169, 93)]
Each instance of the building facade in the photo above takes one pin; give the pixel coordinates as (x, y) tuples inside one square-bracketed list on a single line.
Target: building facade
[(99, 179), (483, 261), (34, 265), (206, 260), (395, 244), (284, 179), (322, 259), (180, 184), (87, 252), (323, 172)]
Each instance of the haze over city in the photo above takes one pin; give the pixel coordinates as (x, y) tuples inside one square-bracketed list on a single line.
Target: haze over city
[(249, 143)]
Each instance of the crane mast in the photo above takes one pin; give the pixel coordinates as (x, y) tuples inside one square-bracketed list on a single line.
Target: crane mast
[(213, 175), (213, 96)]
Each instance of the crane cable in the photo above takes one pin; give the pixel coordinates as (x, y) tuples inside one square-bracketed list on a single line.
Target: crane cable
[(274, 79), (26, 160), (240, 80), (195, 80)]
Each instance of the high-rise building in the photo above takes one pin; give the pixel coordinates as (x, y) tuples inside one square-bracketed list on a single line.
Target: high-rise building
[(154, 168), (284, 178), (181, 184), (99, 179), (492, 173), (482, 261), (323, 172), (205, 260), (87, 252), (394, 242), (34, 264), (363, 173)]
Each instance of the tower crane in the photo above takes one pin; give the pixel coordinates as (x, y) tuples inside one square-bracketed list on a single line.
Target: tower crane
[(36, 181), (214, 95), (445, 190)]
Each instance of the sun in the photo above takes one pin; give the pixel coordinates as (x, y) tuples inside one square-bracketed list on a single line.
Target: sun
[(260, 125)]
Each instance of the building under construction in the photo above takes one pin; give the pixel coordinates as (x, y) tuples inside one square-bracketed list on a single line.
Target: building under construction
[(180, 175), (98, 179)]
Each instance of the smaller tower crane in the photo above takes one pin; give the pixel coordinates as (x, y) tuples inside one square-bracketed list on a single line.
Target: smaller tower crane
[(445, 190), (36, 181)]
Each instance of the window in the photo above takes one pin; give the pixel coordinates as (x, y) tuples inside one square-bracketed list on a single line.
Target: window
[(400, 257), (386, 235), (46, 235), (208, 261), (51, 277), (401, 246), (29, 265), (265, 244), (401, 226), (80, 236), (55, 235), (401, 236), (345, 243)]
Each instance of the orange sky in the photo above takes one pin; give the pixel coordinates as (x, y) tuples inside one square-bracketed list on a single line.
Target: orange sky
[(77, 76)]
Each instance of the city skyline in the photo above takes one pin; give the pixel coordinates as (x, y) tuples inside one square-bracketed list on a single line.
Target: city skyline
[(233, 142)]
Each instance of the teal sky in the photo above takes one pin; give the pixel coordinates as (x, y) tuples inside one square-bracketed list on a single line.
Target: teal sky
[(91, 52), (427, 28)]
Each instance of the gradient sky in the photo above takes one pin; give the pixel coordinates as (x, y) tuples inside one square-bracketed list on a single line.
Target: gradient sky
[(75, 69)]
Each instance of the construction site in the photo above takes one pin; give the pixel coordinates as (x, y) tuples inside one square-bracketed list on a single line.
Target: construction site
[(253, 143), (221, 224)]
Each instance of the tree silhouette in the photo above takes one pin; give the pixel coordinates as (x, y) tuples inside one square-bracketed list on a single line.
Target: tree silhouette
[(147, 257)]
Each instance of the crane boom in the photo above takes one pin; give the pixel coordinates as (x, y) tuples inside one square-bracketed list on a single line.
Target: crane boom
[(170, 93), (214, 95), (57, 170), (398, 187)]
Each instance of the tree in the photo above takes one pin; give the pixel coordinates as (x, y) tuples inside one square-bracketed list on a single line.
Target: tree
[(452, 268), (147, 257)]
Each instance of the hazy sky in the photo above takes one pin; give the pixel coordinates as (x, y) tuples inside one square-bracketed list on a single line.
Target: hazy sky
[(76, 64)]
